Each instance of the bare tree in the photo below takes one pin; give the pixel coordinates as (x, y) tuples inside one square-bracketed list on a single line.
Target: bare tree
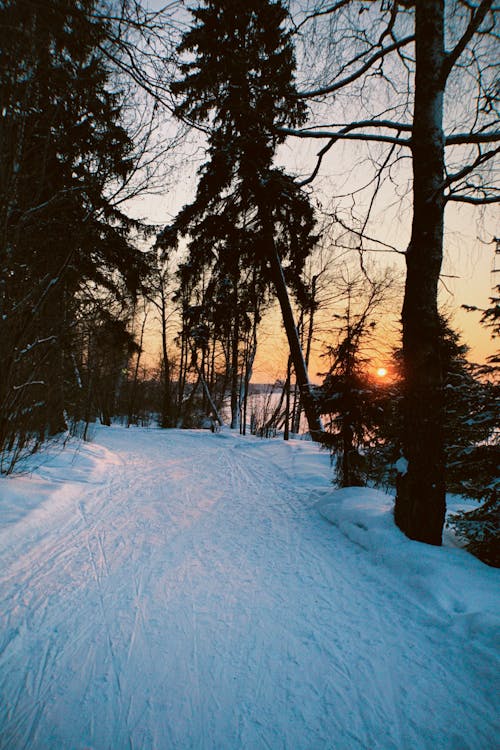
[(423, 76)]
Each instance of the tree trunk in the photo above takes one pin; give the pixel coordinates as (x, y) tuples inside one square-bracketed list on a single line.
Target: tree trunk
[(313, 420), (131, 416), (420, 502), (182, 373), (251, 357), (310, 330), (347, 452), (235, 395), (315, 427), (55, 395), (166, 404), (206, 390), (286, 430)]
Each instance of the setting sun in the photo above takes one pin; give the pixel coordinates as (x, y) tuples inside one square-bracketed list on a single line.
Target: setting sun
[(381, 372)]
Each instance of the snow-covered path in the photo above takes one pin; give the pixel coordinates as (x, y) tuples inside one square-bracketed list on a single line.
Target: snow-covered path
[(186, 593)]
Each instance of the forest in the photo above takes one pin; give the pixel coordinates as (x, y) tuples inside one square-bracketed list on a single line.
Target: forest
[(238, 114)]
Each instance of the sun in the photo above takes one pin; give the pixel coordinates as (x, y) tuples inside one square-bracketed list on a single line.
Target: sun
[(382, 372)]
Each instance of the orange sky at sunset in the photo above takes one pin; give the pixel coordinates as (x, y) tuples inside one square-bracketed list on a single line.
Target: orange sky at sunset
[(468, 276)]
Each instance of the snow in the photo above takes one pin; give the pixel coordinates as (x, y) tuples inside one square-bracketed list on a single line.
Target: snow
[(182, 589)]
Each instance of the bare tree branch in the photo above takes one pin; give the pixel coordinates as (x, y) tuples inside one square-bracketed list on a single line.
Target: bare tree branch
[(370, 123), (344, 134), (469, 168), (468, 138), (360, 72), (477, 17), (316, 169), (316, 14), (384, 246), (474, 200)]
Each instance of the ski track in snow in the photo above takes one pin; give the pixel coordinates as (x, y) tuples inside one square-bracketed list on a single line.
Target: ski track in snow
[(191, 596)]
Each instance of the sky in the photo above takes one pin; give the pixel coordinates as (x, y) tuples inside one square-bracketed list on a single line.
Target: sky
[(468, 263), (468, 270)]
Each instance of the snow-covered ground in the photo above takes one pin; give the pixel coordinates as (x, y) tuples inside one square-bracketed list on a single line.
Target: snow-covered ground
[(178, 589)]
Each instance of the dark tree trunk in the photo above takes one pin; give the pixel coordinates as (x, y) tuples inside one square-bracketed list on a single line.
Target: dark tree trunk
[(310, 328), (55, 312), (182, 374), (313, 420), (420, 502), (347, 453), (310, 331), (292, 334), (286, 430), (56, 422), (296, 405), (249, 360), (206, 390), (166, 404), (235, 381), (131, 416)]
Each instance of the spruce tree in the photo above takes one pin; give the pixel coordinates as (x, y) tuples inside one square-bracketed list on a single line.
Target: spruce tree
[(62, 147), (471, 407), (247, 215), (351, 402)]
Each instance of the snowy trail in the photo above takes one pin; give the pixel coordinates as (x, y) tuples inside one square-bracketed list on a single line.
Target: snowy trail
[(187, 594)]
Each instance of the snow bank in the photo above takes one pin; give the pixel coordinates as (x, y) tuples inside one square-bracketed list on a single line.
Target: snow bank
[(178, 589), (50, 482), (447, 581)]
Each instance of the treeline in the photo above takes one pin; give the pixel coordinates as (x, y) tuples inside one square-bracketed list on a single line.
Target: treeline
[(69, 267)]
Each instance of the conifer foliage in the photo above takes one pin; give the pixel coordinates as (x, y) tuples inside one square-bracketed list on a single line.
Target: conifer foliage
[(352, 403), (62, 147), (250, 227)]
